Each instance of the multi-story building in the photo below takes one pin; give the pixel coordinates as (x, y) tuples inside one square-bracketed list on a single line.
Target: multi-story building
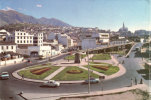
[(38, 39), (65, 40), (7, 47), (24, 38), (102, 37)]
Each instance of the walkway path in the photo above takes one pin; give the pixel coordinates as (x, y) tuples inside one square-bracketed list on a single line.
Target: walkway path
[(54, 73)]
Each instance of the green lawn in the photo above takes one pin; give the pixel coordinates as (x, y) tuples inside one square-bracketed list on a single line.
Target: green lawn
[(101, 57), (28, 74), (71, 77), (110, 71), (99, 63), (72, 57), (118, 52)]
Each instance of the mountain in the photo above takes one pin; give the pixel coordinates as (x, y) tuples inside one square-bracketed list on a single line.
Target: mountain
[(12, 17)]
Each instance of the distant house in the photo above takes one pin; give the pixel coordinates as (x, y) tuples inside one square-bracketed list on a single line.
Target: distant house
[(7, 47)]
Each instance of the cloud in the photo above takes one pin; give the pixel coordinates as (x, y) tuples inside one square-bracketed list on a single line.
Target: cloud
[(8, 8), (39, 5)]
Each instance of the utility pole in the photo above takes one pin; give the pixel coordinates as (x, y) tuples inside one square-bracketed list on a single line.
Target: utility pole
[(88, 72)]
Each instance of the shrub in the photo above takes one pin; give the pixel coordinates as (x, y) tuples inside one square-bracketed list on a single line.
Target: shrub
[(74, 71), (105, 68), (40, 70)]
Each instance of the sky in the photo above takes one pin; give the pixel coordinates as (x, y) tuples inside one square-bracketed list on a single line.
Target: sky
[(104, 14)]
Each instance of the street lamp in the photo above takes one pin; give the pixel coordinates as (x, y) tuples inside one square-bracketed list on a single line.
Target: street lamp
[(88, 72)]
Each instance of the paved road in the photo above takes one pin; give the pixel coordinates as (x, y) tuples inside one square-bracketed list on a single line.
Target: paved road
[(9, 88)]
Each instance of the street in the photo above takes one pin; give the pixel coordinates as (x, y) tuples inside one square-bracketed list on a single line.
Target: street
[(10, 88)]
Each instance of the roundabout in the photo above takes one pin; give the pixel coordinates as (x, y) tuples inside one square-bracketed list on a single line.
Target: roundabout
[(70, 72)]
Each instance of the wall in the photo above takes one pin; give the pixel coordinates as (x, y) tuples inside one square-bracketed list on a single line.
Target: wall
[(12, 61)]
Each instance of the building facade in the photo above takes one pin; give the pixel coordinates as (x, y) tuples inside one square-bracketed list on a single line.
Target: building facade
[(7, 47)]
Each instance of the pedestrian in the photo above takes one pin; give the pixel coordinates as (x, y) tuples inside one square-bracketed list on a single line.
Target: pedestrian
[(135, 81), (131, 82)]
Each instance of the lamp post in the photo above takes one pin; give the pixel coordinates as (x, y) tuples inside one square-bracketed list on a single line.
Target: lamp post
[(88, 72)]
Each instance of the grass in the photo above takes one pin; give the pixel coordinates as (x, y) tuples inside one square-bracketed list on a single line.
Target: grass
[(101, 57), (28, 74), (99, 63), (72, 57), (118, 52), (71, 77), (111, 69)]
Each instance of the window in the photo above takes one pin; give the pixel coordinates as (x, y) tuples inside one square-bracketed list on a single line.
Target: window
[(21, 41), (12, 47), (24, 34), (21, 37), (17, 41), (27, 41), (2, 47), (6, 47), (20, 33), (30, 37), (18, 37), (30, 41), (24, 41), (24, 37)]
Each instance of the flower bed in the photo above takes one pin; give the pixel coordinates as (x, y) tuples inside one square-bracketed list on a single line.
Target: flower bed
[(40, 70), (105, 68), (74, 71)]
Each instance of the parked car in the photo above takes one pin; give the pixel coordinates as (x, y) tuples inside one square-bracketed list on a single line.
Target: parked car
[(92, 80), (4, 75), (51, 83)]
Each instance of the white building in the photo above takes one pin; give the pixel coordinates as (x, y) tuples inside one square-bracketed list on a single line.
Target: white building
[(7, 47), (65, 40), (3, 34), (39, 50), (102, 37), (24, 38), (88, 43), (38, 39)]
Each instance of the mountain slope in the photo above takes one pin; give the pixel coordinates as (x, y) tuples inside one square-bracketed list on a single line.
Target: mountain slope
[(12, 17)]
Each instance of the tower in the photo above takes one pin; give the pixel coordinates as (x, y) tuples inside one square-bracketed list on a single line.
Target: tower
[(123, 26)]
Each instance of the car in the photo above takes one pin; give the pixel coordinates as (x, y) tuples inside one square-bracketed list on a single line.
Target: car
[(92, 80), (51, 83), (4, 75)]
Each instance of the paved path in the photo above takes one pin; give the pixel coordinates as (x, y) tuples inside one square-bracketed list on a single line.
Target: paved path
[(54, 73)]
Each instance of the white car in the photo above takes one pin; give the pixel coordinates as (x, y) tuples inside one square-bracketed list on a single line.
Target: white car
[(92, 80), (51, 83), (4, 75)]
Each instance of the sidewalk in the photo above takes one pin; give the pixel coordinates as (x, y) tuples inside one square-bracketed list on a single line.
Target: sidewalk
[(44, 96)]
